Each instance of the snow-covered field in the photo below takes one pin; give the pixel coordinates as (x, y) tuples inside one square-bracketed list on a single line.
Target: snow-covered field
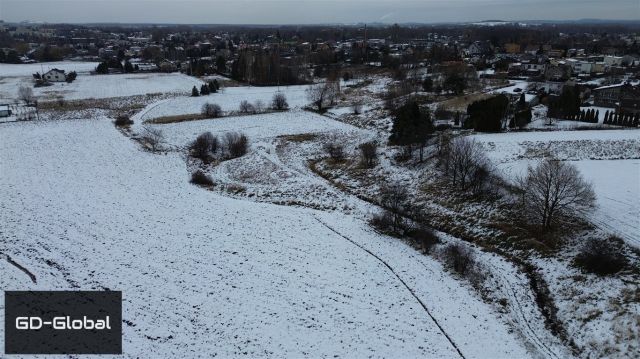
[(229, 100), (610, 159), (26, 70), (205, 275), (256, 127), (103, 86)]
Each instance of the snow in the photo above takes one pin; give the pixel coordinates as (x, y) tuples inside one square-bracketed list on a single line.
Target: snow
[(205, 275), (104, 86), (514, 84), (609, 159), (27, 70)]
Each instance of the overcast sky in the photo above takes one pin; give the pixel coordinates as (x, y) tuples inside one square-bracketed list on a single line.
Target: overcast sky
[(312, 11)]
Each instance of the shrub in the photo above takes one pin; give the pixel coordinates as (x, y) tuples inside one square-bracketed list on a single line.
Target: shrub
[(602, 257), (246, 107), (279, 102), (258, 106), (202, 146), (123, 121), (212, 110), (335, 150), (424, 237), (369, 154), (458, 258), (383, 222), (356, 108), (200, 178), (237, 144)]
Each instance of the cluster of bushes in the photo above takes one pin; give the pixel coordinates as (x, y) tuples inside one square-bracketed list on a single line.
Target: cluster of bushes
[(207, 146), (279, 103), (368, 152), (622, 119), (206, 89)]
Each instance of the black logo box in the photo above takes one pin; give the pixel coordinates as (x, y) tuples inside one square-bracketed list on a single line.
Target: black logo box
[(74, 304)]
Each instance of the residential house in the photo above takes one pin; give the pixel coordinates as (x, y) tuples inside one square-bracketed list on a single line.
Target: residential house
[(5, 111), (55, 75)]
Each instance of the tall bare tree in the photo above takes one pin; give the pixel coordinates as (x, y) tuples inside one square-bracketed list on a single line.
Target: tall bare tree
[(555, 189), (25, 93)]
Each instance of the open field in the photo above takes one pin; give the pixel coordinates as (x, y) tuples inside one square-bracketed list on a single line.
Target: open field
[(204, 274)]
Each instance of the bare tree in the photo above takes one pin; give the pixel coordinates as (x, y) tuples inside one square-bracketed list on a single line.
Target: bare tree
[(394, 199), (279, 102), (323, 95), (212, 110), (25, 93), (369, 154), (555, 189), (466, 163), (153, 137)]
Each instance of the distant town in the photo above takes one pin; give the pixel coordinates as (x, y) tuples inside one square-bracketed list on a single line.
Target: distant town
[(600, 59)]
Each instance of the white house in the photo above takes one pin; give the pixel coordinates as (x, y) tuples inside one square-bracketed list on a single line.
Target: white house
[(55, 75)]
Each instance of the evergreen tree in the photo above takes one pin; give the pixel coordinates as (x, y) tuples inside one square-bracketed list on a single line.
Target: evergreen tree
[(194, 92), (597, 117), (204, 89), (102, 68), (411, 126), (128, 68), (486, 115), (606, 118)]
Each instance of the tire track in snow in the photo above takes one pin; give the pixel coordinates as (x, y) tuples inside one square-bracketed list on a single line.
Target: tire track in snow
[(532, 335), (401, 281)]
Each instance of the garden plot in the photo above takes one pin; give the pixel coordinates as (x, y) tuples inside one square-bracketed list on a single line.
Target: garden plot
[(607, 158), (207, 275), (229, 99)]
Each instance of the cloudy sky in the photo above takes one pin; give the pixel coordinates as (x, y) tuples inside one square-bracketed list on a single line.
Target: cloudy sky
[(312, 11)]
